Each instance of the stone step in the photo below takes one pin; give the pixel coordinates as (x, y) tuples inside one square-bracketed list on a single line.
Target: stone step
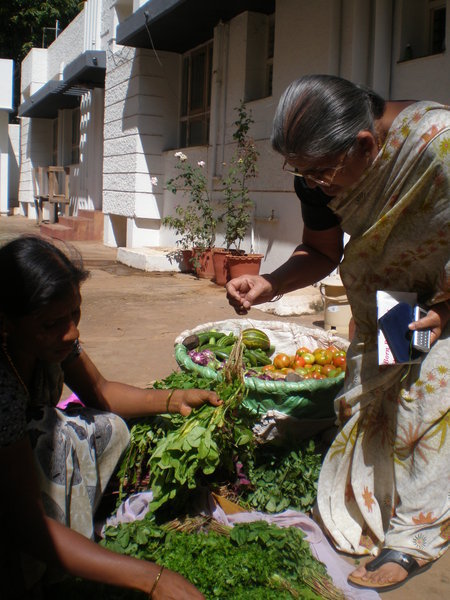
[(56, 231), (98, 218), (87, 226), (81, 227)]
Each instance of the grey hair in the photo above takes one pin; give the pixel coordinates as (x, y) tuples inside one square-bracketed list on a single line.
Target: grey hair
[(321, 115)]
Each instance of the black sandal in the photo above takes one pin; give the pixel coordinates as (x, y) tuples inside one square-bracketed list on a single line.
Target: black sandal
[(387, 555)]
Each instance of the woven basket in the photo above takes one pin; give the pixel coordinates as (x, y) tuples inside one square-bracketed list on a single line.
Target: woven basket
[(311, 398)]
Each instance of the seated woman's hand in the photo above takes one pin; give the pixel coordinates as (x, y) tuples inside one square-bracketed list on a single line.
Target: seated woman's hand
[(183, 401), (173, 586)]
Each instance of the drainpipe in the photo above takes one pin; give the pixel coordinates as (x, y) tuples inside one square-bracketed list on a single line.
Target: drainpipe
[(382, 54), (224, 94), (360, 42), (219, 95)]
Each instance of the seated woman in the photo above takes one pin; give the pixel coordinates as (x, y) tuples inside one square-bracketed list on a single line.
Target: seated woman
[(54, 464)]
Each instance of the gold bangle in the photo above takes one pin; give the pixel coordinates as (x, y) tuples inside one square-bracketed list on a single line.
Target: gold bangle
[(155, 583), (168, 400)]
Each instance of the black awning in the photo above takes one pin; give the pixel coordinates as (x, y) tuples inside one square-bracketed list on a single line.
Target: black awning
[(178, 25), (87, 71), (44, 104)]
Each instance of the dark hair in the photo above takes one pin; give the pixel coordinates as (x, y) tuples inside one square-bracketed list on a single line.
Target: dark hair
[(34, 272), (321, 115)]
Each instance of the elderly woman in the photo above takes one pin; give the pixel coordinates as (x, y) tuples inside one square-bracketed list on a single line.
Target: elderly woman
[(378, 171), (55, 465)]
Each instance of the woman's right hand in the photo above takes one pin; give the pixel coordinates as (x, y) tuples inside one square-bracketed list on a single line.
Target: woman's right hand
[(246, 290), (173, 586)]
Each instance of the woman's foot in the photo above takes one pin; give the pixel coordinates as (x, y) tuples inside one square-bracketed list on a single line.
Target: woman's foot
[(388, 570)]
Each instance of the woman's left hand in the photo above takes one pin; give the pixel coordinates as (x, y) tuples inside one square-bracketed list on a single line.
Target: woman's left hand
[(183, 401), (436, 320)]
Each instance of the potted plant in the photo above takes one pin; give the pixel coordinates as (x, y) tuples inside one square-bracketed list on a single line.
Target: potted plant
[(238, 205), (195, 222)]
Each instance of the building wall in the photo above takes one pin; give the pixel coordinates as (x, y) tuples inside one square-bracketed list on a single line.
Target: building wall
[(131, 143), (13, 166), (141, 112), (39, 67)]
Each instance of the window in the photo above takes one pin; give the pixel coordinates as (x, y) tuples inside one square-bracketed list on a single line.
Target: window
[(423, 28), (270, 52), (437, 29), (75, 154), (196, 96)]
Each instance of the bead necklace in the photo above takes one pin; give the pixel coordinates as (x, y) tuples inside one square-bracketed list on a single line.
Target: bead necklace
[(14, 370)]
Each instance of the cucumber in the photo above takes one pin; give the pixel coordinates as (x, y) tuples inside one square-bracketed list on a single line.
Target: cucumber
[(226, 340), (209, 337), (260, 356)]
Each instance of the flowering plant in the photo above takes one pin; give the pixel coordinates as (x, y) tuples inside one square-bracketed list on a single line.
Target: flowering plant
[(238, 205), (195, 222)]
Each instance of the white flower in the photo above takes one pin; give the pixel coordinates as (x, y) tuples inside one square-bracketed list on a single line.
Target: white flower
[(181, 156), (154, 180), (201, 163)]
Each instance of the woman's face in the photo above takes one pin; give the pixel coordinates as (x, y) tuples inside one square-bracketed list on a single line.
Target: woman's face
[(49, 333), (336, 174)]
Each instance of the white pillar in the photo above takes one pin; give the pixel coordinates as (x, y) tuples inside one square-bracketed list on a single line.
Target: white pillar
[(4, 163), (382, 55)]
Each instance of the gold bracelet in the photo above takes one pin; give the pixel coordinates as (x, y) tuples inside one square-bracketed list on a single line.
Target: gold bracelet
[(158, 577), (168, 400)]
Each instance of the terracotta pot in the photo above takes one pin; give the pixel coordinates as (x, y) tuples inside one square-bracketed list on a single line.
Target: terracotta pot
[(247, 264), (220, 262), (186, 261), (203, 263)]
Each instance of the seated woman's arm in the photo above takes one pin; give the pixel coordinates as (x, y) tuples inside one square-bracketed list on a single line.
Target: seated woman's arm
[(57, 545), (127, 401)]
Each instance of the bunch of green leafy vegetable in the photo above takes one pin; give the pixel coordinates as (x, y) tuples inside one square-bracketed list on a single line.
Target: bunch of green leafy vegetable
[(281, 478), (176, 456), (251, 561), (209, 439), (134, 471)]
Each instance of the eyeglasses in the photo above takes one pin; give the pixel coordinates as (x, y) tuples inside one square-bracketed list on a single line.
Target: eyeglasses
[(319, 176)]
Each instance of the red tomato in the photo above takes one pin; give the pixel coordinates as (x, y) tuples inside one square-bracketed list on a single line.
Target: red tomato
[(281, 361), (268, 368), (340, 360), (333, 350), (309, 358), (302, 350), (299, 361), (327, 368), (323, 356)]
